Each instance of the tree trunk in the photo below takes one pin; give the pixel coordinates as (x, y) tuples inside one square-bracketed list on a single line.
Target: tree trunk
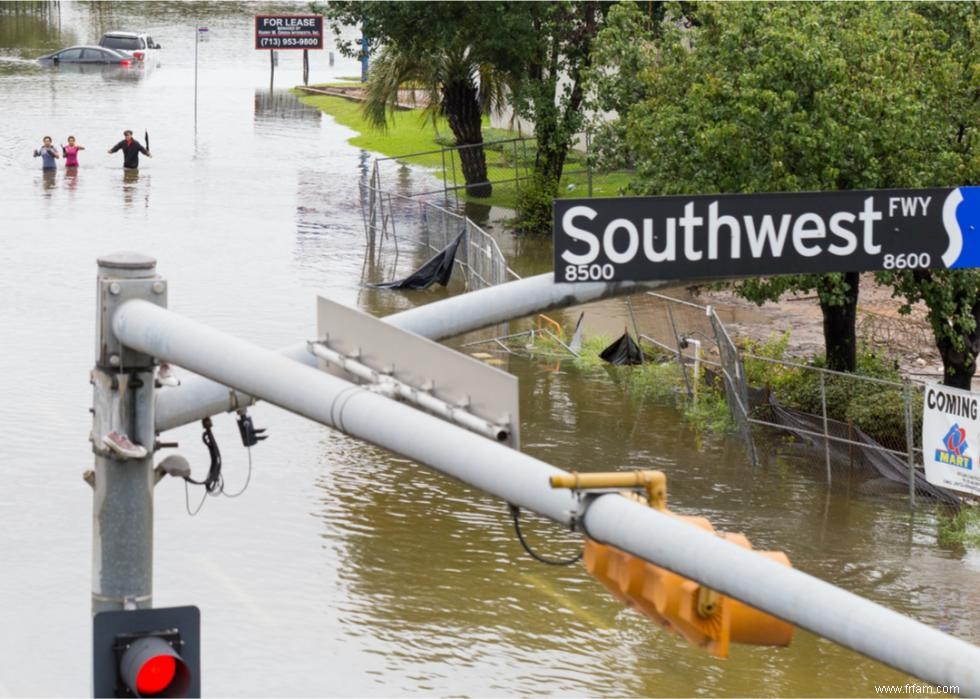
[(959, 367), (461, 105), (839, 331)]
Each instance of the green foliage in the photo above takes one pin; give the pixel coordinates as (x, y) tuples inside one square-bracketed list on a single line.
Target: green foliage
[(660, 381), (759, 372), (710, 412), (958, 528), (534, 205), (591, 349), (757, 97), (876, 408)]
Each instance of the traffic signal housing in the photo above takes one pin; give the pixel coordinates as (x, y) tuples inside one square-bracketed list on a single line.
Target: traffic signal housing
[(147, 653), (703, 616)]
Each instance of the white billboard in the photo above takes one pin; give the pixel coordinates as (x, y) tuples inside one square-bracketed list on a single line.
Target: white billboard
[(951, 438)]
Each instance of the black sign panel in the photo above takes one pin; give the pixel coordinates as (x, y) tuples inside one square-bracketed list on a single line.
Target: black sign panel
[(680, 237), (288, 32)]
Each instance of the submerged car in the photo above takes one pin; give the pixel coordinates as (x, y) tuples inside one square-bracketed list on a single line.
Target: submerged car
[(141, 46), (87, 54)]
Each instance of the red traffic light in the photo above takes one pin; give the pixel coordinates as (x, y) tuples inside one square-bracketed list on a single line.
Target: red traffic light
[(156, 674), (150, 667), (147, 653)]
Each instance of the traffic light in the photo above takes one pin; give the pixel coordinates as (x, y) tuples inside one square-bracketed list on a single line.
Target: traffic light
[(702, 616), (147, 653)]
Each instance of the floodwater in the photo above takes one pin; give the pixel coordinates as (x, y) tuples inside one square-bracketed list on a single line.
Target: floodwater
[(343, 570)]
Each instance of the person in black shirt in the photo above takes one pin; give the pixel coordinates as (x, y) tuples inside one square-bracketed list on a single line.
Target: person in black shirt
[(131, 149)]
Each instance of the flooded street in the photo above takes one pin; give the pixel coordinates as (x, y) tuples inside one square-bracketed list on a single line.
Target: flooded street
[(344, 570)]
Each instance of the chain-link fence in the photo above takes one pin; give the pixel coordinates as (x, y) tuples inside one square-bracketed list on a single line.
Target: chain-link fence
[(492, 172), (392, 217), (861, 433)]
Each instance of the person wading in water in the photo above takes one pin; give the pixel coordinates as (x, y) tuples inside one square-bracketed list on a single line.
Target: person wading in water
[(48, 154), (71, 152), (131, 149)]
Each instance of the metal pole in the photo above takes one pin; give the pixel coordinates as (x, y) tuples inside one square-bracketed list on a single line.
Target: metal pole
[(524, 481), (826, 433), (123, 401), (910, 442), (198, 398), (197, 40), (588, 158)]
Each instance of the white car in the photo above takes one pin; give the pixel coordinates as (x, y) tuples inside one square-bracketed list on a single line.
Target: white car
[(141, 46)]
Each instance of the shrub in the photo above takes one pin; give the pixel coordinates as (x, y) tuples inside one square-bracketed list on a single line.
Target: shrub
[(534, 205)]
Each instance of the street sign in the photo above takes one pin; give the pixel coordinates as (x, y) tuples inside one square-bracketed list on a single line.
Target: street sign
[(203, 34), (726, 235), (288, 32), (448, 375), (951, 438)]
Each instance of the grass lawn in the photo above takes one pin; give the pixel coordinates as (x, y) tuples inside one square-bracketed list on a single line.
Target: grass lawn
[(409, 132)]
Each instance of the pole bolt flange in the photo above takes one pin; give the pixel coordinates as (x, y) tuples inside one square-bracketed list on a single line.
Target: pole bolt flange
[(159, 287), (114, 359), (114, 288)]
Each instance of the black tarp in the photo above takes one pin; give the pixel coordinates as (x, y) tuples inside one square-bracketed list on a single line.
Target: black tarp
[(438, 269), (623, 351)]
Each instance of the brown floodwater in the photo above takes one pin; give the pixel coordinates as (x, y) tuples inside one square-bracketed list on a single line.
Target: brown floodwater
[(345, 570)]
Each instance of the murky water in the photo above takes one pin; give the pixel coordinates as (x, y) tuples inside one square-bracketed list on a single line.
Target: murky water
[(343, 571)]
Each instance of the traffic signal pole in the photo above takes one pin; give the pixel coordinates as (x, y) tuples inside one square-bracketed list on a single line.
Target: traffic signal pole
[(198, 397), (123, 402)]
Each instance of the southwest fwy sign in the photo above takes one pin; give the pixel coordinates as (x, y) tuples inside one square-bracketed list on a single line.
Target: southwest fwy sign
[(677, 237), (951, 438)]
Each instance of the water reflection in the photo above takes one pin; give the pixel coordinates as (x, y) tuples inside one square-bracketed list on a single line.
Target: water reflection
[(26, 27), (282, 104)]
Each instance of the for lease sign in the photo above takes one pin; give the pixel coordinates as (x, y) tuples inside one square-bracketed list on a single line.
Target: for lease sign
[(678, 237), (288, 32), (951, 438)]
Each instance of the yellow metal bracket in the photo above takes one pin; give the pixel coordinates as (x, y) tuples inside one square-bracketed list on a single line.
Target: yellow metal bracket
[(652, 483)]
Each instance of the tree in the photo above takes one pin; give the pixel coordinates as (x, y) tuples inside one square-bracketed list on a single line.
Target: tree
[(538, 49), (759, 97), (953, 157), (456, 87), (549, 91), (442, 48)]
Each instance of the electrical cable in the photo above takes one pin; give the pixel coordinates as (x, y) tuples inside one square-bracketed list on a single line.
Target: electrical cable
[(213, 482), (187, 500), (248, 479), (515, 512)]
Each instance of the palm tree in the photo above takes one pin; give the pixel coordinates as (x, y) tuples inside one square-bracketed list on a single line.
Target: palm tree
[(457, 85)]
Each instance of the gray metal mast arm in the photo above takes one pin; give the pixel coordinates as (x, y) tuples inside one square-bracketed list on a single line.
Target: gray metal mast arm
[(790, 594), (199, 397)]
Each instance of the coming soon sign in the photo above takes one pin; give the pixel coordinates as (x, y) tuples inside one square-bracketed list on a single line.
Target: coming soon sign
[(951, 438), (678, 237)]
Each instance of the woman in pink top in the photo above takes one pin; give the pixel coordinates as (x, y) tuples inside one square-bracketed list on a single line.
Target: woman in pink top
[(71, 152)]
